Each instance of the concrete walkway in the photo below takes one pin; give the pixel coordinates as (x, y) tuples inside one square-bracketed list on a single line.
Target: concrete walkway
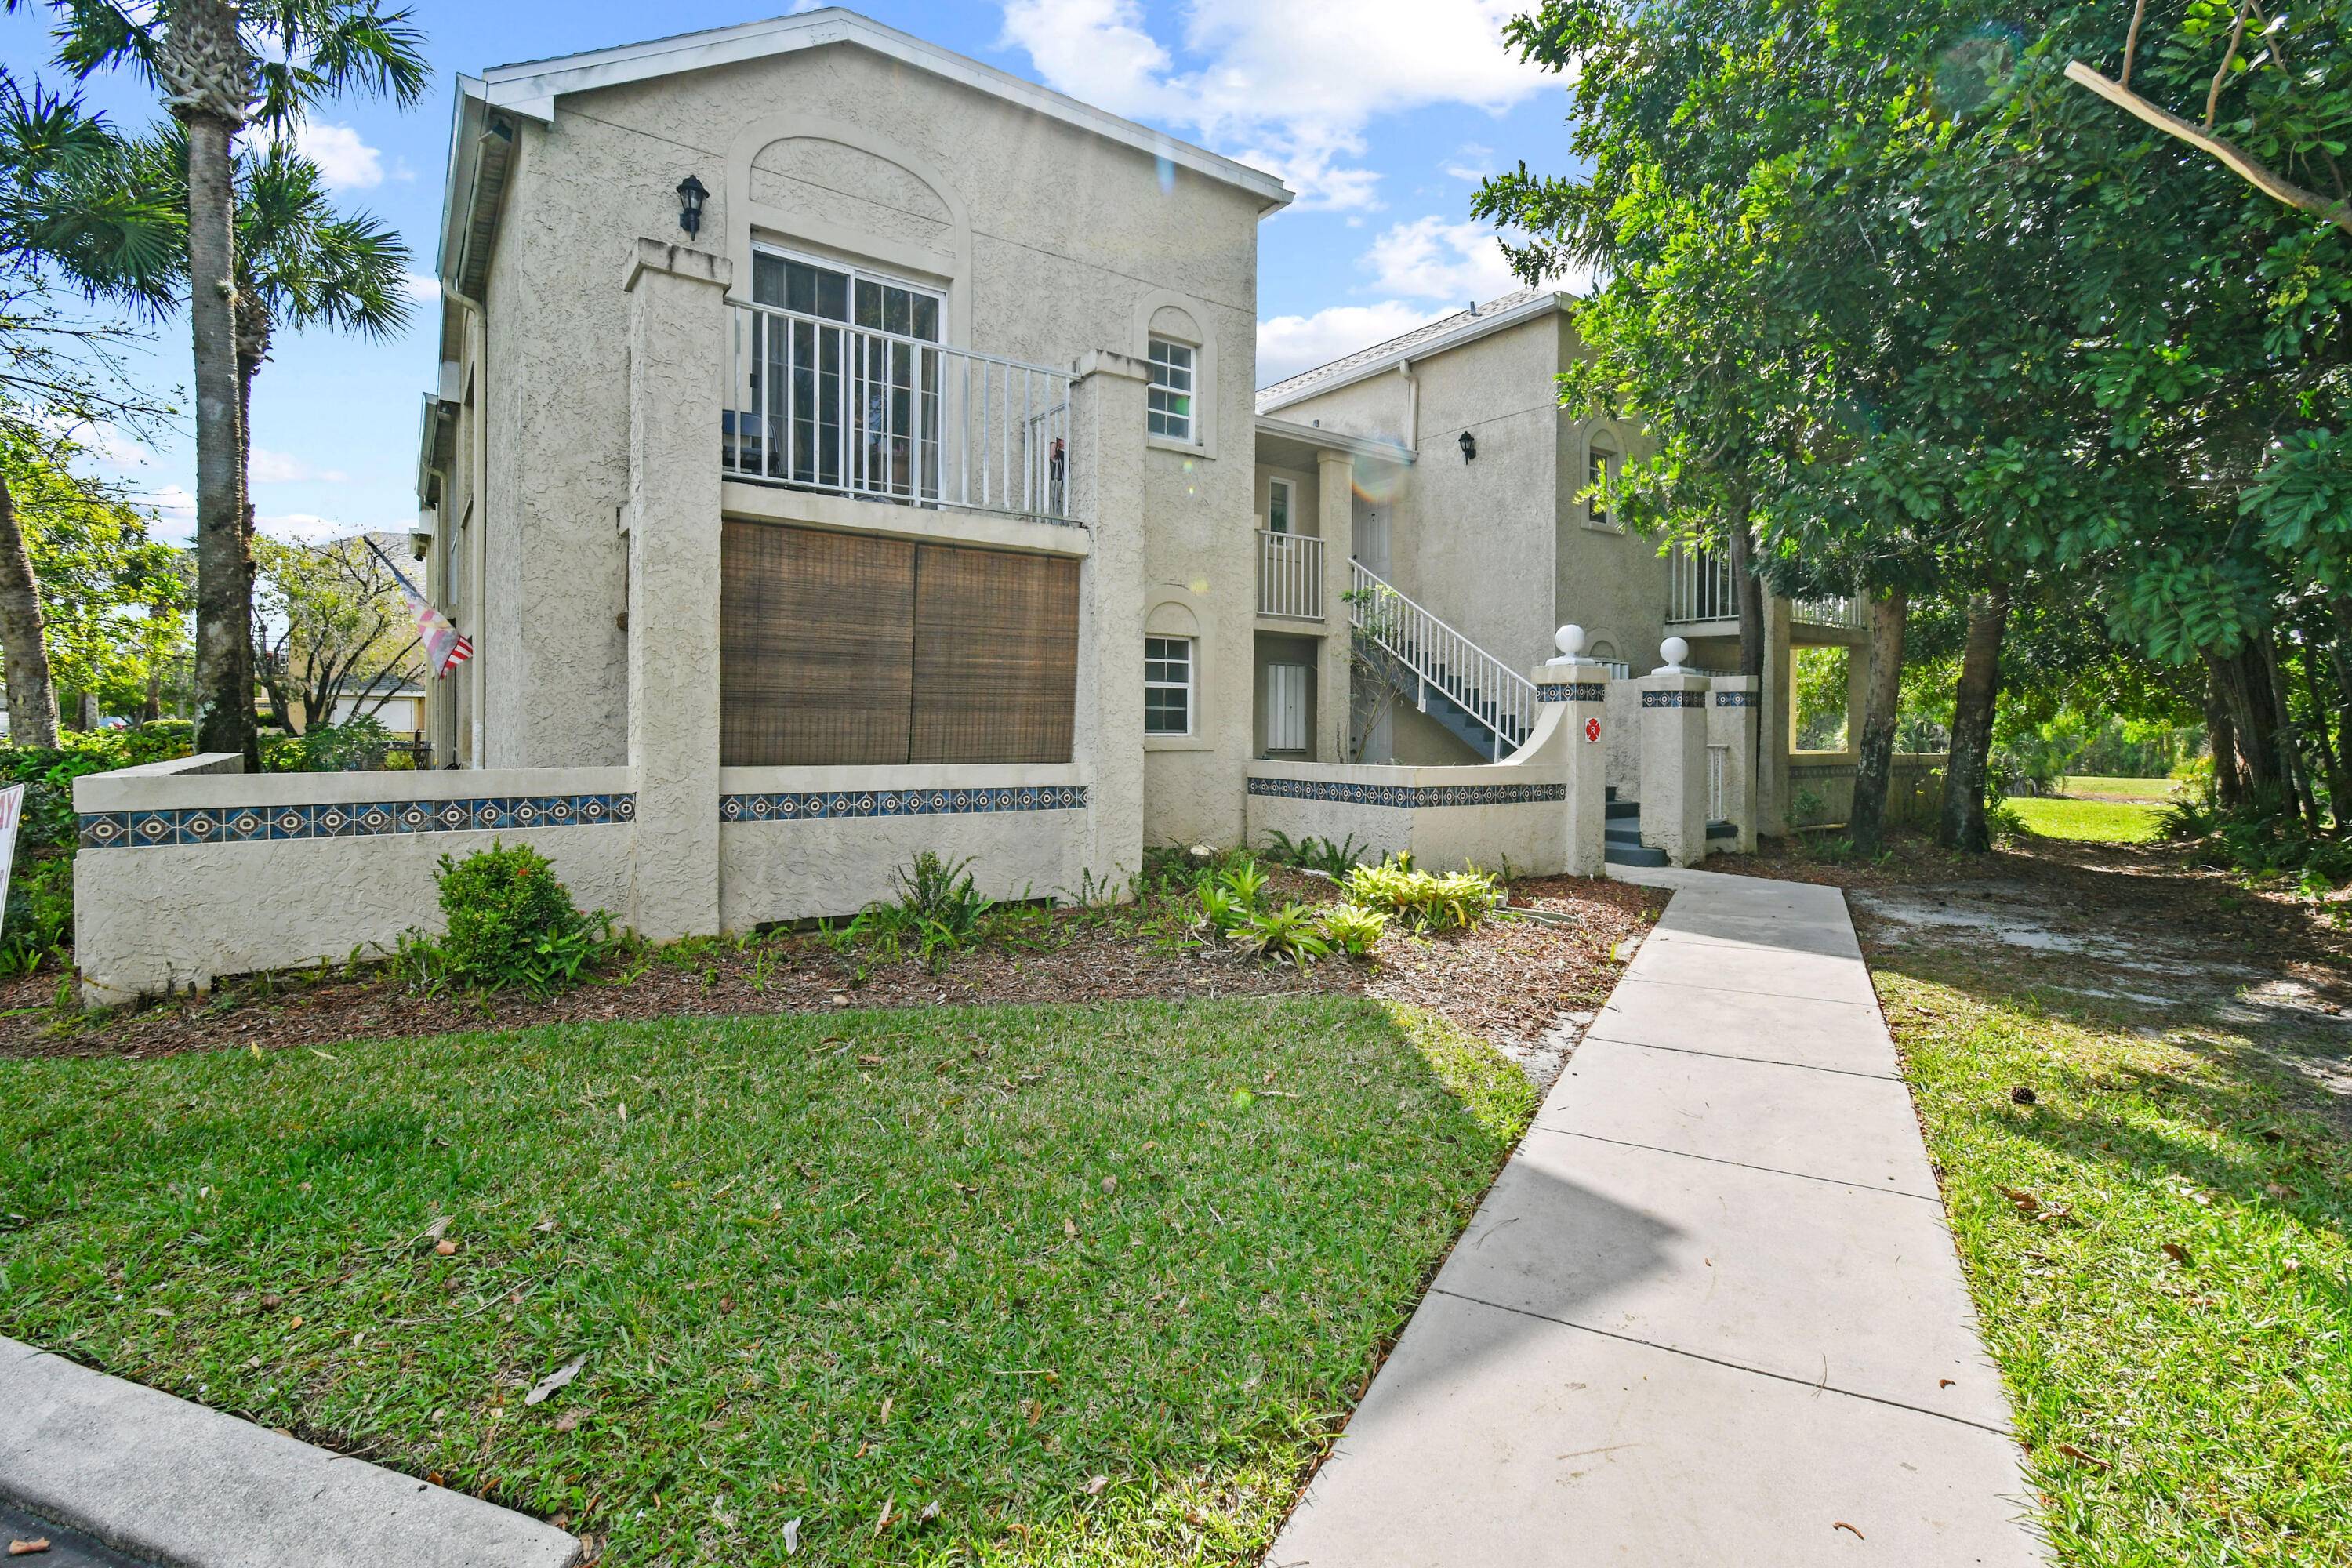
[(1710, 1314)]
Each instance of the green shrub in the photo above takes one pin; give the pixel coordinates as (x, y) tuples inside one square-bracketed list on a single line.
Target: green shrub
[(357, 745), (512, 922), (1424, 899), (1353, 928), (2003, 824), (40, 916), (1286, 935)]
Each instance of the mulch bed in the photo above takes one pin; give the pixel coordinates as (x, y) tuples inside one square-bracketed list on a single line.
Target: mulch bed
[(1507, 981)]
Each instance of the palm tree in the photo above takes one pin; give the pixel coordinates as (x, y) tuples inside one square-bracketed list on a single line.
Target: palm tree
[(219, 68), (69, 209), (300, 264)]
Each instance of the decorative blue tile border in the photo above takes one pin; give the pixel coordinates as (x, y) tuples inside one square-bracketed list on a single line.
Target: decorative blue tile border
[(1572, 691), (354, 820), (1735, 699), (1674, 700), (1408, 794), (813, 805)]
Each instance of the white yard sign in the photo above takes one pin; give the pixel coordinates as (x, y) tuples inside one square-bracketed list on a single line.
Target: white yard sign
[(12, 807)]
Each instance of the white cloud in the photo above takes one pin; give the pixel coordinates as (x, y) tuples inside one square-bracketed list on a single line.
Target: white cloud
[(1288, 345), (344, 159), (1471, 161), (420, 286), (1291, 83), (269, 467), (1430, 259), (300, 527), (174, 508)]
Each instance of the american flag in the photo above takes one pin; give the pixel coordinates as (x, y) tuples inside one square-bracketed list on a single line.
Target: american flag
[(446, 647)]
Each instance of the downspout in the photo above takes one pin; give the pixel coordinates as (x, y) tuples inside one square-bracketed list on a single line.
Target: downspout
[(1411, 406)]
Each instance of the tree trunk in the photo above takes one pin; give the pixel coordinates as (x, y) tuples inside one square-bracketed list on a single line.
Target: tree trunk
[(1749, 602), (1749, 591), (2336, 764), (32, 694), (2244, 691), (1963, 823), (2292, 765), (1874, 759), (153, 708), (2221, 740), (89, 715), (224, 675)]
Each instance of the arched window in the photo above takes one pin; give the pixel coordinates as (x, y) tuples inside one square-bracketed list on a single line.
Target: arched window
[(1599, 469)]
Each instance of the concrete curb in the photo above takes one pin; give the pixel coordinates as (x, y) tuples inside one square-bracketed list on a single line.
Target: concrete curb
[(189, 1487)]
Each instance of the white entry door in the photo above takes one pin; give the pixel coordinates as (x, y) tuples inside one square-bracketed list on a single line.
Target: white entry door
[(1286, 706)]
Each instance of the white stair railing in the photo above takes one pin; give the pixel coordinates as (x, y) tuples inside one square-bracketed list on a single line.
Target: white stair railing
[(1498, 698)]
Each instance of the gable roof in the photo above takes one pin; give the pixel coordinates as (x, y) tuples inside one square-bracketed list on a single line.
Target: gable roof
[(528, 89), (1434, 337)]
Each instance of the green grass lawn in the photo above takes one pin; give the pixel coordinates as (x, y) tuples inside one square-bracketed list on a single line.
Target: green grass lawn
[(1096, 1282), (2100, 820), (2120, 788), (2188, 1407)]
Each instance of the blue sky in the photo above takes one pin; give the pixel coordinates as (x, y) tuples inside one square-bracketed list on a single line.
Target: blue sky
[(1381, 114)]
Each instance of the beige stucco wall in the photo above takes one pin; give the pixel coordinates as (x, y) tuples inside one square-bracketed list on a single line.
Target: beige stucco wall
[(1049, 243), (155, 919), (788, 870)]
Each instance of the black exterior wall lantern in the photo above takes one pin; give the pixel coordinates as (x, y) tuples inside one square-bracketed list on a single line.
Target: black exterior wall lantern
[(691, 197), (1469, 446)]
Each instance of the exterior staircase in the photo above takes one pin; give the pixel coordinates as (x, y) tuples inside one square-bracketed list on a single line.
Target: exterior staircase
[(1622, 835), (1481, 700)]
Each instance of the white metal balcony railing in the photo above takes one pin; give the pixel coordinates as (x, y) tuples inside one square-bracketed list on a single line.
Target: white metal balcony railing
[(819, 405), (1699, 588), (1443, 662), (1289, 576)]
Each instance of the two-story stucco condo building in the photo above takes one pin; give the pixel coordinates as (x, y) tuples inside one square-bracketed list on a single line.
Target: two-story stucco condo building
[(841, 450)]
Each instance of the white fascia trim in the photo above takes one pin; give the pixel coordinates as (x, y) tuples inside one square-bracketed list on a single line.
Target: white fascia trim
[(457, 176), (531, 88), (1333, 440), (1543, 304)]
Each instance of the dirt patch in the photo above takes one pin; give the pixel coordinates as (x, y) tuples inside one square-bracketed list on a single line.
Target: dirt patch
[(1508, 981), (2139, 930)]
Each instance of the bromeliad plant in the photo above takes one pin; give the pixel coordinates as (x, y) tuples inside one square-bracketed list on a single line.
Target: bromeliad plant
[(1333, 857), (1287, 935), (1354, 930), (1425, 900)]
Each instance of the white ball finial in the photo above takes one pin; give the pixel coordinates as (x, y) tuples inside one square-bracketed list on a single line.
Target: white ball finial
[(1571, 641), (1674, 650)]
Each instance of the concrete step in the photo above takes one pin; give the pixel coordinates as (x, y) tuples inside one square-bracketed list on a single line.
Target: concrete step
[(1722, 830), (1616, 808), (1617, 854)]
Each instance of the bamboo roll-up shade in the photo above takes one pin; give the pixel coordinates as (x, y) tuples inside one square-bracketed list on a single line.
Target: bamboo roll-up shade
[(996, 656), (816, 636)]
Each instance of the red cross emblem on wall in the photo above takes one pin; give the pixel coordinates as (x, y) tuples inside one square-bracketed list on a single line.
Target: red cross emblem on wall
[(1592, 729)]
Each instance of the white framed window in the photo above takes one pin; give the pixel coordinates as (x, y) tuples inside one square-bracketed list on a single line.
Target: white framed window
[(1170, 397), (1596, 476), (1166, 686), (1280, 505), (1286, 706)]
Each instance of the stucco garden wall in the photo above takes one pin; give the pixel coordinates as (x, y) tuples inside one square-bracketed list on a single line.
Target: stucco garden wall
[(187, 875), (796, 843), (1495, 817)]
